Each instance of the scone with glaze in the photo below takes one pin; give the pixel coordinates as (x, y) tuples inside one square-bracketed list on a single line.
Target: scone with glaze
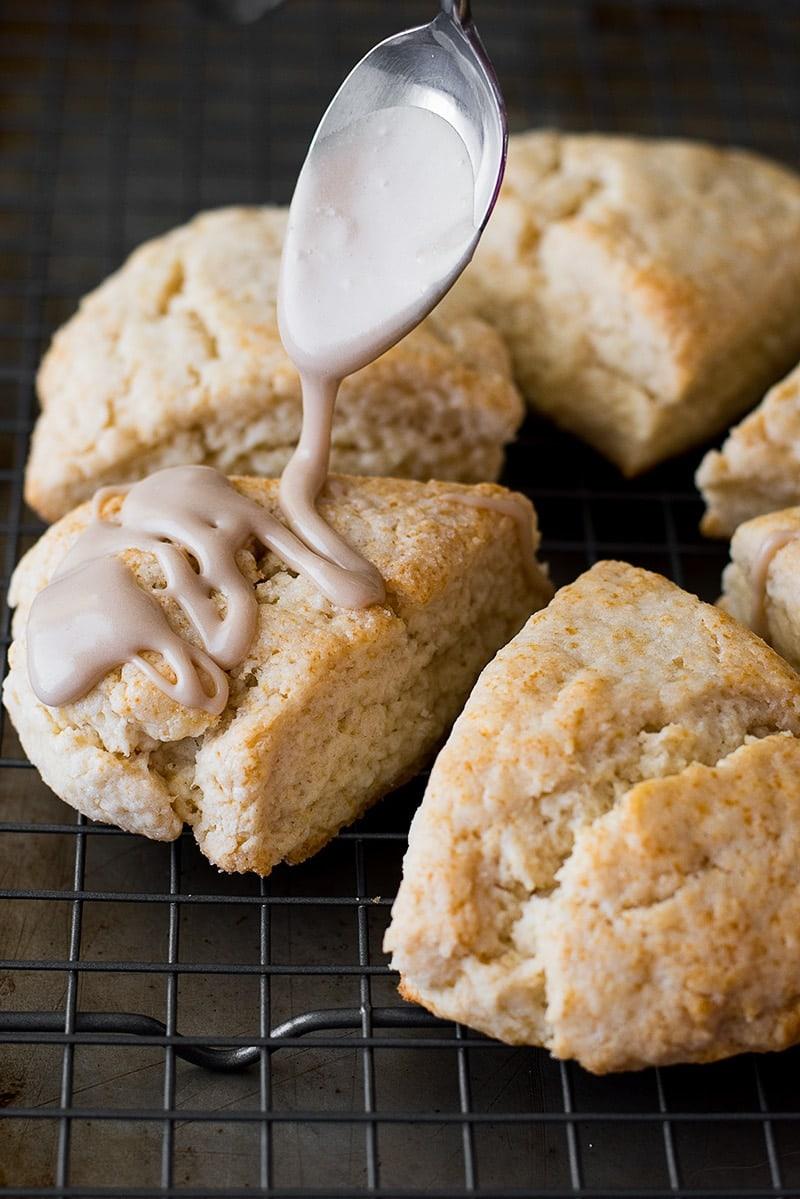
[(649, 290), (761, 583), (330, 709), (176, 359), (606, 861), (757, 470)]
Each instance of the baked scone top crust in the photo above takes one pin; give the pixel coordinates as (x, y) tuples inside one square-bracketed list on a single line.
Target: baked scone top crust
[(758, 468), (177, 358), (608, 835), (632, 276), (329, 709), (761, 583)]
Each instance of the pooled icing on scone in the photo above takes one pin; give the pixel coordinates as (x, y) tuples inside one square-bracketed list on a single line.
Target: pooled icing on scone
[(763, 560), (381, 223), (94, 616)]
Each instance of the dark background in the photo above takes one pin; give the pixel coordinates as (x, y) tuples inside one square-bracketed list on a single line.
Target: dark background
[(118, 121)]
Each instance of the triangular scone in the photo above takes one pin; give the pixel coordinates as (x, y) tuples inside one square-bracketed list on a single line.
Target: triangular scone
[(758, 468), (761, 583), (607, 858), (649, 290), (330, 709), (176, 359)]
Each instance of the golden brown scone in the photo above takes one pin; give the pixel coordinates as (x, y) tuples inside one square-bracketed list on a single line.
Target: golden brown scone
[(605, 862), (649, 290), (177, 359), (758, 468), (770, 599), (330, 709)]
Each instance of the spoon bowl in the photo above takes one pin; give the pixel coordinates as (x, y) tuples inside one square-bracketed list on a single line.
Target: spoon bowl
[(442, 67)]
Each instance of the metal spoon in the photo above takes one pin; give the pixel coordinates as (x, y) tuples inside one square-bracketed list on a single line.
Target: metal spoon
[(443, 67)]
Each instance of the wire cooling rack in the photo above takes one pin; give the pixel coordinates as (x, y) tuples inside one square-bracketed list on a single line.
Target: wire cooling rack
[(168, 1031)]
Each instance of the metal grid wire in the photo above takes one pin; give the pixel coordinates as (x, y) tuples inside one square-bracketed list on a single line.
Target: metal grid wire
[(165, 1030)]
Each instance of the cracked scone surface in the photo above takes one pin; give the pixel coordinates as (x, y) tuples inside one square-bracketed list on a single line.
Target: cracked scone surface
[(605, 862), (757, 470), (329, 710), (649, 290), (781, 589), (176, 359)]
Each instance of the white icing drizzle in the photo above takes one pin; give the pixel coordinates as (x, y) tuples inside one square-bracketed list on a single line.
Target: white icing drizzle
[(94, 616), (381, 221)]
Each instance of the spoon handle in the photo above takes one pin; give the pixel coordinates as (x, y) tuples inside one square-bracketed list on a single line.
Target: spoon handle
[(458, 9)]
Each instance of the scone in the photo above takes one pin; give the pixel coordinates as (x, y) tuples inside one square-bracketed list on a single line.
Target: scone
[(758, 468), (330, 709), (761, 584), (649, 290), (176, 359), (607, 857)]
